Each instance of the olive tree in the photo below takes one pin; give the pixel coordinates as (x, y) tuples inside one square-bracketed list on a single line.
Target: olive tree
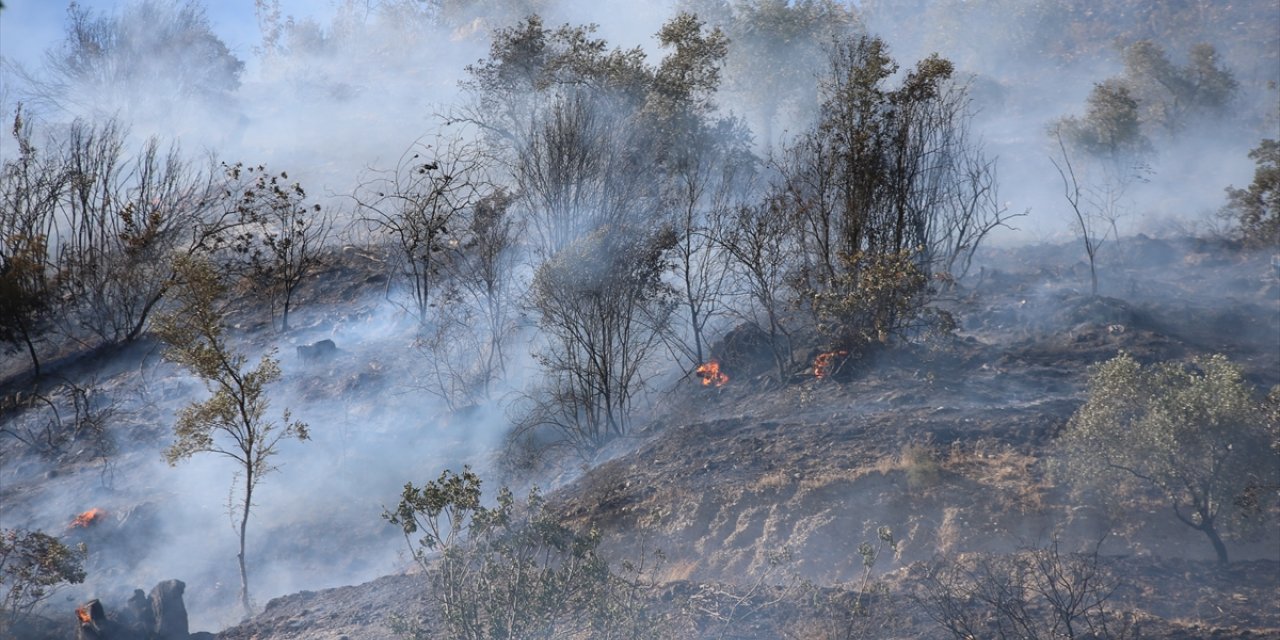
[(233, 421), (1197, 438)]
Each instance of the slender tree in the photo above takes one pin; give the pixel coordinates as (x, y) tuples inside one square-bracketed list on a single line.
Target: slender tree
[(233, 421)]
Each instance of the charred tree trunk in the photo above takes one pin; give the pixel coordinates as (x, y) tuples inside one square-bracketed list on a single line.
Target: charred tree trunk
[(1218, 546), (31, 349)]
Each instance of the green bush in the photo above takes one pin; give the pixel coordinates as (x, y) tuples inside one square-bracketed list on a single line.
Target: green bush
[(875, 300), (513, 570)]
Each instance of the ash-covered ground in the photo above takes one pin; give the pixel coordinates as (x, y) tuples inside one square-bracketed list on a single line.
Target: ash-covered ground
[(747, 490)]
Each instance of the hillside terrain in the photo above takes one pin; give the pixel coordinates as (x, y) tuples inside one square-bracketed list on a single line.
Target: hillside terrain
[(640, 319), (757, 495)]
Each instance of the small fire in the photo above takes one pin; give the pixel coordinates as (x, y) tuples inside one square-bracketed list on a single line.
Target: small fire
[(711, 374), (83, 614), (88, 518), (825, 364)]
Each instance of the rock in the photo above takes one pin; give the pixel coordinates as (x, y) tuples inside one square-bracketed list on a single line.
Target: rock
[(137, 615), (169, 610), (317, 351)]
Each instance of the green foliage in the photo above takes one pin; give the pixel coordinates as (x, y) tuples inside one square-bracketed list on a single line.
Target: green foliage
[(1257, 208), (1110, 128), (33, 565), (1172, 95), (1152, 96), (1195, 437), (232, 421), (874, 300), (511, 570), (238, 405)]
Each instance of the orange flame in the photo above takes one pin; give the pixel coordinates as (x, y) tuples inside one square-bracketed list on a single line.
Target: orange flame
[(711, 374), (83, 614), (825, 363), (88, 518)]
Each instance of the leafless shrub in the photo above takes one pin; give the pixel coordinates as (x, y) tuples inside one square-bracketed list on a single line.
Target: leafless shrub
[(420, 207), (281, 235), (760, 252), (603, 307), (1031, 594), (48, 423), (467, 343)]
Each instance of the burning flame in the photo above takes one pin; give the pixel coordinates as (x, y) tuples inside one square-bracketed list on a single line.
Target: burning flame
[(83, 614), (825, 363), (88, 518), (711, 374)]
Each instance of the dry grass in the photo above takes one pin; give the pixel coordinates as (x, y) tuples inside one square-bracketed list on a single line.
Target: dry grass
[(677, 571), (918, 460), (772, 481), (1014, 477)]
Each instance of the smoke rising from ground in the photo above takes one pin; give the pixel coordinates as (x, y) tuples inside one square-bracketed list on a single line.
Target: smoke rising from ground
[(336, 97)]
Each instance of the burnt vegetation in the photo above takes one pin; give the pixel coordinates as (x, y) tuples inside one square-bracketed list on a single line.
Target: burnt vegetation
[(750, 301)]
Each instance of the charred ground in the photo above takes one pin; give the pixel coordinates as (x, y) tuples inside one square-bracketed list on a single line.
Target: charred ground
[(758, 494)]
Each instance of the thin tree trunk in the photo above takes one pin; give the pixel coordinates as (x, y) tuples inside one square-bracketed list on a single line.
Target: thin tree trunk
[(244, 524), (31, 349)]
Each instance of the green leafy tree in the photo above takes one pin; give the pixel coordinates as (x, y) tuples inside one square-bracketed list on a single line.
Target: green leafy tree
[(1111, 127), (1171, 95), (1257, 208), (1196, 438), (233, 421), (33, 565)]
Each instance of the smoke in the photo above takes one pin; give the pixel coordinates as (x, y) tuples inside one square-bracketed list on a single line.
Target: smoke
[(328, 96)]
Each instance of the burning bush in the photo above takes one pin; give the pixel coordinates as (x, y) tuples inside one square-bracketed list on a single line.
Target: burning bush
[(711, 374), (88, 519), (826, 364)]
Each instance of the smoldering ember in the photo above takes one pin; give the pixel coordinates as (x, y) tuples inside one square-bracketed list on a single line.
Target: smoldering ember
[(659, 319)]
